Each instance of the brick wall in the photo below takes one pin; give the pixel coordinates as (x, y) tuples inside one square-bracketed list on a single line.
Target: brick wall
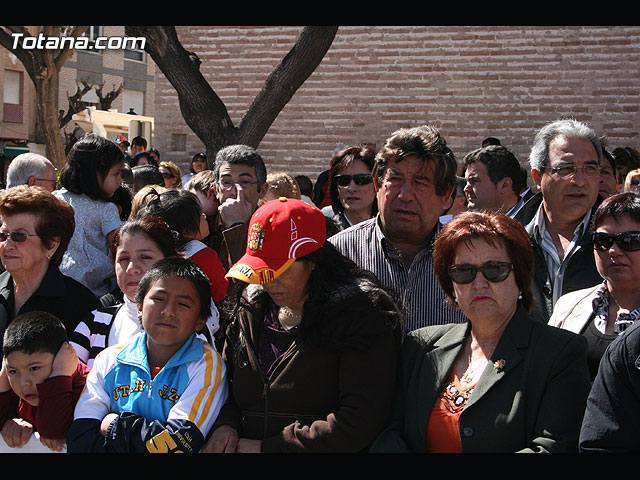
[(471, 82)]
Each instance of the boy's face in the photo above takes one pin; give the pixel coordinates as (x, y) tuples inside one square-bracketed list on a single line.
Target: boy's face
[(208, 201), (25, 371), (171, 313)]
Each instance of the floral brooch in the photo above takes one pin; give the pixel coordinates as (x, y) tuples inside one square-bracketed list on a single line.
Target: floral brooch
[(499, 365)]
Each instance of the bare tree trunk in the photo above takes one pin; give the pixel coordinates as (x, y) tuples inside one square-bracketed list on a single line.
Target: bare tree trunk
[(43, 67), (202, 109), (47, 114)]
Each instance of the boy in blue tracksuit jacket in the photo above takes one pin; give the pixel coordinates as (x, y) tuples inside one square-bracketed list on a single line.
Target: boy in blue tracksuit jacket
[(163, 390)]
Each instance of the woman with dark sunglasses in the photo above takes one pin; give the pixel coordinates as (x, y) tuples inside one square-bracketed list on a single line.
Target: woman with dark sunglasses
[(603, 312), (501, 382), (351, 189), (35, 232)]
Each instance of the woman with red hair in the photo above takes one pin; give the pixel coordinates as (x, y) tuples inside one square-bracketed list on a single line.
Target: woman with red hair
[(500, 382)]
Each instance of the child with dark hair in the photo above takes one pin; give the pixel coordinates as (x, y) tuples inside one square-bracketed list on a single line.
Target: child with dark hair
[(137, 245), (181, 209), (162, 391), (40, 381), (90, 178)]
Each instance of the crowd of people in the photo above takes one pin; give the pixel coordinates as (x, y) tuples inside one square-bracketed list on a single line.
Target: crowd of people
[(406, 302)]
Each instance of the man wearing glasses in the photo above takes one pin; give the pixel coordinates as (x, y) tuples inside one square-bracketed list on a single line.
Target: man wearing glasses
[(240, 180), (414, 176), (565, 166), (32, 169)]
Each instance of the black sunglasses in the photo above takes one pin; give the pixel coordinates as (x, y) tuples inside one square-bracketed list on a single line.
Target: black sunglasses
[(627, 241), (358, 178), (492, 271), (16, 236)]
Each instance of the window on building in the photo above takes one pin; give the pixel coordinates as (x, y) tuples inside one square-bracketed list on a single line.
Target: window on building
[(134, 54), (12, 103), (93, 33), (132, 99), (178, 142)]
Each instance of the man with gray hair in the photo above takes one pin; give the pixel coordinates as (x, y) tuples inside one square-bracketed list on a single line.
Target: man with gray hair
[(241, 180), (565, 166), (32, 169)]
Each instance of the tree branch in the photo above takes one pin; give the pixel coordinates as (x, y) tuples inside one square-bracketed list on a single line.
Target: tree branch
[(283, 82)]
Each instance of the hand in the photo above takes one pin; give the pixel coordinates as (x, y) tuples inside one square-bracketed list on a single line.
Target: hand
[(65, 362), (16, 432), (246, 445), (237, 209), (222, 440), (55, 444), (106, 421)]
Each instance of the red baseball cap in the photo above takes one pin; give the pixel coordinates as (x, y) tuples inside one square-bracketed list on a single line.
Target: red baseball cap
[(279, 232)]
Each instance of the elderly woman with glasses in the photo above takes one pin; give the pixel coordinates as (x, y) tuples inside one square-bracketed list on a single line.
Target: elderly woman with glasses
[(36, 229), (351, 189), (501, 382), (603, 312)]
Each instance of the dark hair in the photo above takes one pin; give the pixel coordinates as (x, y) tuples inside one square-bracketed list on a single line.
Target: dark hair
[(627, 157), (179, 208), (90, 157), (524, 177), (195, 157), (156, 151), (55, 218), (426, 143), (146, 175), (606, 154), (305, 184), (616, 206), (34, 332), (140, 155), (341, 160), (490, 141), (122, 198), (140, 141), (241, 155), (182, 268), (500, 163), (154, 228), (494, 228), (347, 308)]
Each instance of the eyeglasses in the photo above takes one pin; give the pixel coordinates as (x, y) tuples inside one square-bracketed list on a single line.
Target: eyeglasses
[(358, 178), (229, 185), (55, 180), (167, 175), (635, 182), (627, 241), (493, 271), (15, 236), (569, 170)]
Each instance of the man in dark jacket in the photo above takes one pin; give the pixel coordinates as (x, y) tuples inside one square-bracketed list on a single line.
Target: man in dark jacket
[(565, 166)]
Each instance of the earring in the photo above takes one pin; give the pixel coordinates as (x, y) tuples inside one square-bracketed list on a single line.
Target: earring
[(520, 296)]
